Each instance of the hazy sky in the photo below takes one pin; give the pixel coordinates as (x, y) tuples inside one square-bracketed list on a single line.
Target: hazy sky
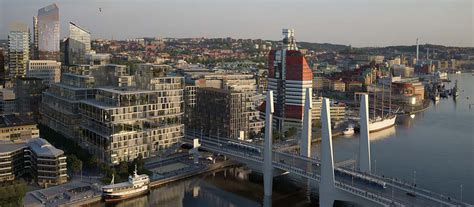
[(355, 22)]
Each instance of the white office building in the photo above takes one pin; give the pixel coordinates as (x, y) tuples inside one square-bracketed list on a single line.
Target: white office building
[(48, 70)]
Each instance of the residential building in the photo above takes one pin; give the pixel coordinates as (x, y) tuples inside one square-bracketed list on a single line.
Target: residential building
[(262, 81), (338, 111), (60, 103), (120, 125), (228, 81), (337, 85), (48, 33), (116, 121), (47, 70), (222, 111), (354, 86), (289, 75), (18, 49)]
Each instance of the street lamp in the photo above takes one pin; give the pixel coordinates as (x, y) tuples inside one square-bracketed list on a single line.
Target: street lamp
[(375, 167), (461, 192), (414, 181)]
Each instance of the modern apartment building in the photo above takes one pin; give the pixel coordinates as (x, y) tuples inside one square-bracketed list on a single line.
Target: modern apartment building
[(114, 120), (289, 75), (120, 124), (338, 111), (18, 49), (60, 104), (229, 82), (47, 70), (222, 111)]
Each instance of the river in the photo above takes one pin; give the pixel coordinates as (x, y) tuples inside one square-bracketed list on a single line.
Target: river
[(435, 149)]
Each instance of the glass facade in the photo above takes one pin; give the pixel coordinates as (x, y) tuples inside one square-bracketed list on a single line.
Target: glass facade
[(18, 49), (79, 34), (48, 33)]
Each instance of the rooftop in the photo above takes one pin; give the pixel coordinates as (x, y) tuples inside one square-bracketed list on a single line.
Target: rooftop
[(8, 146), (15, 120), (41, 147)]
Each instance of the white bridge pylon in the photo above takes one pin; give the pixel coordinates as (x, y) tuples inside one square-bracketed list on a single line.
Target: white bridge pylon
[(328, 193), (267, 151), (305, 142)]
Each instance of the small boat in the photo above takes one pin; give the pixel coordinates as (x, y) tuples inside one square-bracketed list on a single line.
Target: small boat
[(458, 72), (136, 185), (348, 131)]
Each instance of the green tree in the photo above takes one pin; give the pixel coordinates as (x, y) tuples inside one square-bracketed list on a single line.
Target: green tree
[(291, 132), (122, 168), (276, 135), (94, 161), (74, 163)]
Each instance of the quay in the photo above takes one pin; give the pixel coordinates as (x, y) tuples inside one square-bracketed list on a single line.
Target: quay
[(77, 193)]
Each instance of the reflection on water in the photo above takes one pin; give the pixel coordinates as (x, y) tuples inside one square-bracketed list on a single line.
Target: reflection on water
[(230, 187), (379, 135)]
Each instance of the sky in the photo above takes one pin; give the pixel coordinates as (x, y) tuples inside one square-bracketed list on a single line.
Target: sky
[(360, 23)]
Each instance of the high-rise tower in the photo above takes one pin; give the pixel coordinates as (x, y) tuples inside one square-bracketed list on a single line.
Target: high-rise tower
[(18, 49), (289, 76), (48, 33), (35, 38)]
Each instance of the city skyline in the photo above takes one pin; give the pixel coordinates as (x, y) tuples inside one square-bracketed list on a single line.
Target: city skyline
[(346, 22)]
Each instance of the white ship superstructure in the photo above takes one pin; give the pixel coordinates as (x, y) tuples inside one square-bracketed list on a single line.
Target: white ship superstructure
[(135, 186)]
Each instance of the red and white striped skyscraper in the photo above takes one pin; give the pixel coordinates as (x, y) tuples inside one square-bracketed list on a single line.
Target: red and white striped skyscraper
[(288, 77)]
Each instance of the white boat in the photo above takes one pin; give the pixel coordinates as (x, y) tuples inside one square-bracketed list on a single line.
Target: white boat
[(348, 131), (458, 72), (381, 123), (135, 186)]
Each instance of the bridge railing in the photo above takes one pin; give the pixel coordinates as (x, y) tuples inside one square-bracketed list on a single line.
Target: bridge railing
[(299, 171), (367, 195), (408, 186)]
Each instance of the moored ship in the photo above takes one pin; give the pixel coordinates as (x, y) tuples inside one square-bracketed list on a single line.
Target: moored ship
[(135, 186), (382, 123)]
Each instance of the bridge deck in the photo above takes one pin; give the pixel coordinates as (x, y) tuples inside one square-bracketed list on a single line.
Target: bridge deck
[(385, 191)]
